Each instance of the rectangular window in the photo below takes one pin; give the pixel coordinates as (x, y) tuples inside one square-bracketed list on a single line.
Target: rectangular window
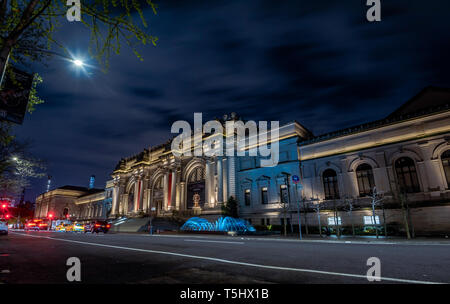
[(247, 197), (264, 198), (332, 220), (368, 220), (268, 221), (284, 194), (262, 222)]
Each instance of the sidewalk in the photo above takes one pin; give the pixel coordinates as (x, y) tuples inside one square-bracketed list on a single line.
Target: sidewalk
[(360, 239)]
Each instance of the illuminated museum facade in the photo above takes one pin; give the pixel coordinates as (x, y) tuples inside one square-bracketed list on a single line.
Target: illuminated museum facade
[(406, 152)]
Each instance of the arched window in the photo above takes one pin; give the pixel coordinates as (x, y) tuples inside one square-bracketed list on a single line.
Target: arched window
[(407, 175), (445, 157), (330, 184), (158, 185), (197, 175), (364, 176)]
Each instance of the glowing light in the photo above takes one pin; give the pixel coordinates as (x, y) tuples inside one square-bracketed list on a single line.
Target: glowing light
[(78, 62), (222, 224)]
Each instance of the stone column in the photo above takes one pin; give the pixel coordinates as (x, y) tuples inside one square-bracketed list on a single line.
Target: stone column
[(231, 176), (171, 202), (166, 190), (149, 200), (115, 200), (208, 186), (212, 179), (137, 189), (178, 190), (183, 202), (145, 198), (124, 204), (219, 181), (225, 179)]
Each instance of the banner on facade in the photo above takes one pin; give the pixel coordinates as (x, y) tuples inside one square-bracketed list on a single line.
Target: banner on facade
[(15, 94)]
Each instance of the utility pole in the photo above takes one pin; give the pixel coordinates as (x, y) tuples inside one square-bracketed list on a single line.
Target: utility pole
[(289, 199), (298, 211)]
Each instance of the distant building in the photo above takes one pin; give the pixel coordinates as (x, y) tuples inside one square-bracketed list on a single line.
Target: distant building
[(76, 203)]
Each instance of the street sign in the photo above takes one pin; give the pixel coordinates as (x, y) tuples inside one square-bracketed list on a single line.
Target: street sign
[(14, 95), (295, 179)]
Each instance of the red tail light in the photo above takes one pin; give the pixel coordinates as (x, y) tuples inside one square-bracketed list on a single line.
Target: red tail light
[(97, 225), (107, 226)]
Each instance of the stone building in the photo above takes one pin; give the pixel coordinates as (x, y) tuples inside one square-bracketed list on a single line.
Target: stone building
[(75, 203), (405, 157), (406, 153)]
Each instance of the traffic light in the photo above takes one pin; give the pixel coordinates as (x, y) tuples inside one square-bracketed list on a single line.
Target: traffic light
[(4, 205), (7, 216), (50, 215)]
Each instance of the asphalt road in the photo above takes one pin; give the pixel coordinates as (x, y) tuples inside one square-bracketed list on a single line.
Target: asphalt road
[(40, 257)]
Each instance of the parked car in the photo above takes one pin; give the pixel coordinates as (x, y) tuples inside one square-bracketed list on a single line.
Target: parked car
[(36, 225), (3, 227), (68, 227), (60, 227), (77, 227), (97, 226)]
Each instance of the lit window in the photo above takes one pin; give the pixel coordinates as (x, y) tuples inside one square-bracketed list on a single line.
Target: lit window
[(247, 197), (264, 199), (332, 220), (368, 220)]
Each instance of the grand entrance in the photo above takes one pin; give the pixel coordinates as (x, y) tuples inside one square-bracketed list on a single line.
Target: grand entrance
[(130, 204), (196, 188), (158, 195)]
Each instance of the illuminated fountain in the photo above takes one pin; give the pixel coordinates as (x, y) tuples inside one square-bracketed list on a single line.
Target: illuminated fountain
[(222, 224)]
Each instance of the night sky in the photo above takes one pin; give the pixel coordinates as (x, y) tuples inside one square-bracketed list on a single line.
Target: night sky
[(318, 62)]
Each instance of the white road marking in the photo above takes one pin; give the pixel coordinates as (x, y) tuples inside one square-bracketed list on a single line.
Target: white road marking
[(187, 240), (5, 271), (234, 262), (358, 242)]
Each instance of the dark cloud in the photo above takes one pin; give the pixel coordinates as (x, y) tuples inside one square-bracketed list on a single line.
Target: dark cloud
[(318, 62)]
